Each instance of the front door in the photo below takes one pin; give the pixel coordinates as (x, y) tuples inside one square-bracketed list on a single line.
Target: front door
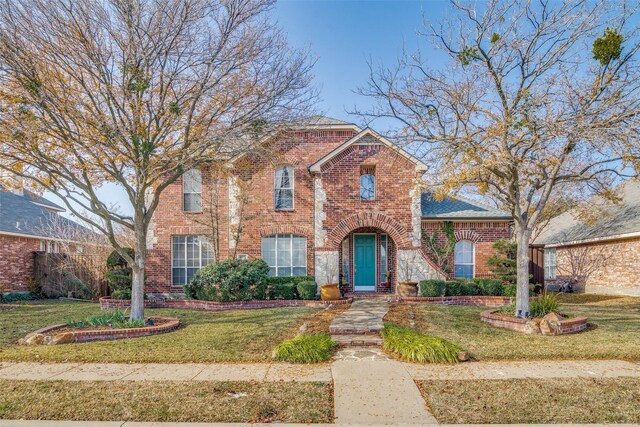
[(364, 262)]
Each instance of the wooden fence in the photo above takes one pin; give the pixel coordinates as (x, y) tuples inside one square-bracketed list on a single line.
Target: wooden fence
[(78, 275)]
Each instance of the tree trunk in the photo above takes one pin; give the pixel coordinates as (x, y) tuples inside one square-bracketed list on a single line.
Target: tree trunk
[(523, 236), (138, 273)]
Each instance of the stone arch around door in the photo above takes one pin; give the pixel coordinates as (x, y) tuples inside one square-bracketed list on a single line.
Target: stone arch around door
[(393, 228)]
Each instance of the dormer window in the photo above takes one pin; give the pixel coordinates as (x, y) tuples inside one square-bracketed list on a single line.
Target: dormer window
[(283, 188), (367, 183), (192, 190)]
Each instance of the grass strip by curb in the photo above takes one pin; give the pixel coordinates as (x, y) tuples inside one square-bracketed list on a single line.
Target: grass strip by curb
[(177, 401), (307, 348), (413, 346)]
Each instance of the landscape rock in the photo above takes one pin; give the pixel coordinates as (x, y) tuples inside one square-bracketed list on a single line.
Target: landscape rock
[(531, 327), (32, 339), (550, 324), (463, 356), (64, 338)]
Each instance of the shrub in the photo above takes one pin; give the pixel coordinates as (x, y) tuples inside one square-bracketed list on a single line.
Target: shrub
[(432, 288), (543, 304), (273, 280), (282, 291), (413, 346), (119, 273), (17, 296), (307, 348), (116, 319), (121, 294), (307, 289), (510, 290), (230, 280), (490, 287)]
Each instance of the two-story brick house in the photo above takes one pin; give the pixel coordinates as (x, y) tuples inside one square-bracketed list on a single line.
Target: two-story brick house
[(339, 201)]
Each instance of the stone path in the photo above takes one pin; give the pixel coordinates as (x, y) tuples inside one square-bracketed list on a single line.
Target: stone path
[(363, 317)]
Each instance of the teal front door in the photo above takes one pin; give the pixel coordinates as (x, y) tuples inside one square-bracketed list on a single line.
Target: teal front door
[(364, 262)]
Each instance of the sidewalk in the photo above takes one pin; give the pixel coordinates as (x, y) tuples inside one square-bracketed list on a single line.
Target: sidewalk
[(305, 373)]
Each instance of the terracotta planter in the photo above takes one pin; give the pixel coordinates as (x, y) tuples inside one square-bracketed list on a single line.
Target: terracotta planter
[(330, 292), (408, 289)]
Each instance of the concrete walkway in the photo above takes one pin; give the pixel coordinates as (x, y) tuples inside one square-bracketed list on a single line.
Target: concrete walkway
[(321, 373)]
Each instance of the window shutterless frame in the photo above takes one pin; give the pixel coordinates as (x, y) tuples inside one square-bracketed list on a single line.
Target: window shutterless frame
[(192, 191), (286, 254), (464, 256), (280, 188), (184, 263)]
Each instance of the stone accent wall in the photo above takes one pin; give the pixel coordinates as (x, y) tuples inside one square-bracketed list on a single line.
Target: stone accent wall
[(327, 267), (16, 262), (413, 267), (320, 197), (611, 267)]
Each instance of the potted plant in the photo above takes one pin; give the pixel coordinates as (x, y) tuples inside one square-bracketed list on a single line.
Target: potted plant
[(407, 287), (331, 290)]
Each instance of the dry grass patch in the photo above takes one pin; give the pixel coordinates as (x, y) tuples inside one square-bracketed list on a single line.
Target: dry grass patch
[(187, 401), (574, 400), (614, 332), (319, 322), (227, 336)]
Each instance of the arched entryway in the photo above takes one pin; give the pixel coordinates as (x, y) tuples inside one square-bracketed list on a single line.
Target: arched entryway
[(367, 257)]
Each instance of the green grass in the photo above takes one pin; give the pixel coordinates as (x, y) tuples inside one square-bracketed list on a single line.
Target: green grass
[(177, 401), (413, 346), (307, 348), (614, 331), (539, 401), (229, 336)]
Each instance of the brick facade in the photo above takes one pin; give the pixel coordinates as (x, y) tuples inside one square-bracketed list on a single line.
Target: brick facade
[(16, 262), (327, 206), (606, 267)]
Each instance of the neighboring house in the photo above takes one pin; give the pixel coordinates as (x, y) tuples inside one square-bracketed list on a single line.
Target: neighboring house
[(340, 203), (603, 257), (24, 220)]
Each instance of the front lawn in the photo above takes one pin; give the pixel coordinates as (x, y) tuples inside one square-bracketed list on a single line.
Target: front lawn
[(186, 401), (228, 336), (527, 401), (614, 330)]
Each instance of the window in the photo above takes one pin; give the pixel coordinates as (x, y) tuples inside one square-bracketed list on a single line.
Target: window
[(192, 190), (283, 188), (550, 263), (189, 254), (367, 183), (345, 260), (383, 258), (463, 259), (286, 254), (43, 246)]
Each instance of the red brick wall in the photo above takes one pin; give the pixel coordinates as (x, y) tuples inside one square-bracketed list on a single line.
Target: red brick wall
[(611, 267), (483, 234), (16, 262)]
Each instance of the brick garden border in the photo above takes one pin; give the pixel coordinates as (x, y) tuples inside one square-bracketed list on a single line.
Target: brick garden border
[(530, 326), (86, 335), (107, 303)]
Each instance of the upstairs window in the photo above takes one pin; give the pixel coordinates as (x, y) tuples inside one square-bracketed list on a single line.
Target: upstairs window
[(283, 188), (192, 191), (550, 263), (367, 183), (463, 259)]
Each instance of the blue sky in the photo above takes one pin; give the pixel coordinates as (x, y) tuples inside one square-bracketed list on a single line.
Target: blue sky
[(343, 36)]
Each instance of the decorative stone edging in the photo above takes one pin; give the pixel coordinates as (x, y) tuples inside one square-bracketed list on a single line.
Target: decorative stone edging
[(48, 336), (106, 303), (477, 300), (531, 326)]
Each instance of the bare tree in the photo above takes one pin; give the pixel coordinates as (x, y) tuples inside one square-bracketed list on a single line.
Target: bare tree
[(535, 97), (136, 92), (579, 263)]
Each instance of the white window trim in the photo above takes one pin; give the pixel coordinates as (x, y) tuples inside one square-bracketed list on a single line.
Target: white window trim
[(473, 258), (184, 236), (291, 266), (292, 178), (184, 192), (547, 264)]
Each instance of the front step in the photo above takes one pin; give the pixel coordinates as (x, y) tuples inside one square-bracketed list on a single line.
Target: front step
[(344, 341), (354, 330)]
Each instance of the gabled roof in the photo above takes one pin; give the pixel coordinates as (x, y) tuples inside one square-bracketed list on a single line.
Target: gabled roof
[(28, 214), (619, 221), (459, 209), (316, 167)]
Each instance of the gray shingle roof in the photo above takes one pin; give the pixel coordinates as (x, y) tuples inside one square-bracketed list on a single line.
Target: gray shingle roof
[(21, 215), (618, 220), (325, 121), (458, 208)]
